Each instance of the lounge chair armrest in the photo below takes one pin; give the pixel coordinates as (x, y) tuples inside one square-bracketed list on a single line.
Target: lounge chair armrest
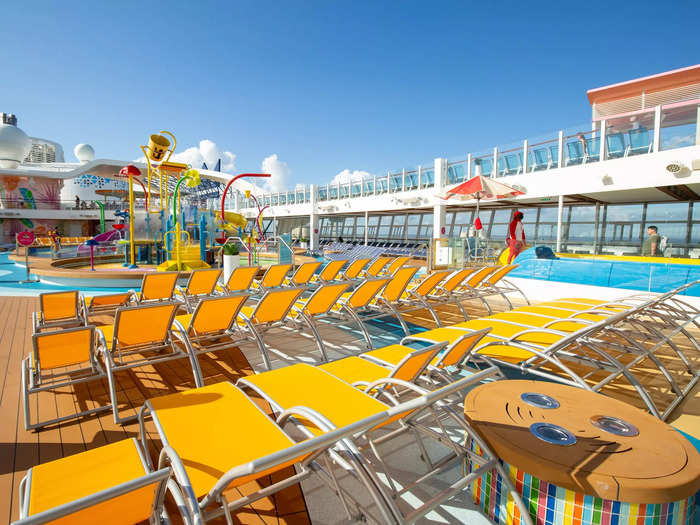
[(169, 458), (392, 381), (321, 422)]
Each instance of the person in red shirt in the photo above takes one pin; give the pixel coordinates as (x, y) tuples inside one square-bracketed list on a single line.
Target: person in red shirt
[(516, 236)]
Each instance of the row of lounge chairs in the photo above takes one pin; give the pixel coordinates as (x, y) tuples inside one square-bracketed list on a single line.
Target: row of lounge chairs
[(46, 242), (152, 330), (203, 453), (395, 392)]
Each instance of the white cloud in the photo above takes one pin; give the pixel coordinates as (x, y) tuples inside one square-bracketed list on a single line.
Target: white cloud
[(208, 152), (279, 181), (346, 176)]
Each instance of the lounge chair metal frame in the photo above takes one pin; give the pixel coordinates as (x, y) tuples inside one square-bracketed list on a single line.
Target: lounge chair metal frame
[(491, 284), (159, 514), (258, 330), (195, 512), (89, 307), (613, 345), (196, 343), (39, 321), (158, 275), (411, 417), (384, 306), (444, 292), (345, 311), (34, 382), (189, 299), (166, 349)]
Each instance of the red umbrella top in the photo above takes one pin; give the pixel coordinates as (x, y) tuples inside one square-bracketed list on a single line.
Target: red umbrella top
[(484, 188), (130, 171)]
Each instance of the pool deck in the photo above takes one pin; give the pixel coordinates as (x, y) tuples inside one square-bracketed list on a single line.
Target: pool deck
[(21, 449)]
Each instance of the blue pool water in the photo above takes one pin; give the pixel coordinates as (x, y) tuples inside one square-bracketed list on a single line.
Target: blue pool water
[(12, 273), (649, 277)]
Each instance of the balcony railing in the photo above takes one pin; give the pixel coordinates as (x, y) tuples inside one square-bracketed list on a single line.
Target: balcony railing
[(640, 132)]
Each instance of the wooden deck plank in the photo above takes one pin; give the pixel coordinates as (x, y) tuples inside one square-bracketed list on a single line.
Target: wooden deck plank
[(20, 450)]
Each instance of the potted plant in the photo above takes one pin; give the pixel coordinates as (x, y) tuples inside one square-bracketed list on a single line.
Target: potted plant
[(304, 243), (231, 260)]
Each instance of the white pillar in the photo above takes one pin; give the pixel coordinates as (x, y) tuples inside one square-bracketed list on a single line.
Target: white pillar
[(440, 207), (420, 177), (494, 169), (403, 179), (313, 219), (366, 227), (469, 166), (603, 134), (525, 148), (657, 129), (560, 155), (560, 212)]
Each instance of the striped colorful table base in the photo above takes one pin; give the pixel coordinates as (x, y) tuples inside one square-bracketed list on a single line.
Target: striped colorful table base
[(553, 505)]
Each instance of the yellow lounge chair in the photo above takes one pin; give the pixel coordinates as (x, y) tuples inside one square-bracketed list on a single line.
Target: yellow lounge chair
[(377, 266), (270, 312), (361, 372), (414, 298), (319, 304), (157, 287), (100, 304), (355, 268), (201, 283), (427, 417), (444, 293), (330, 272), (58, 310), (217, 439), (140, 336), (240, 280), (59, 359), (303, 274), (352, 305), (273, 277), (493, 283), (109, 484), (397, 263), (386, 302), (213, 319)]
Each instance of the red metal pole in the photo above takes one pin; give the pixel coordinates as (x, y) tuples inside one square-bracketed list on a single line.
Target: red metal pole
[(223, 195)]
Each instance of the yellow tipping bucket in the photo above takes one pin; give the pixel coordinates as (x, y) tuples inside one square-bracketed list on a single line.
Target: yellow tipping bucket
[(157, 147)]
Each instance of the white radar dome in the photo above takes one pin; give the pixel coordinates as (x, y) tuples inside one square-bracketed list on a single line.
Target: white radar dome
[(14, 146), (84, 153)]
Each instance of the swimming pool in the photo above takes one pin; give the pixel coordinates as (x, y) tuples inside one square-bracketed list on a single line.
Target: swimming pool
[(612, 273), (12, 273)]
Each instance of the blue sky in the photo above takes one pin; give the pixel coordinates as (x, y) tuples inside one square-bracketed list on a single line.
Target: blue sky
[(326, 86)]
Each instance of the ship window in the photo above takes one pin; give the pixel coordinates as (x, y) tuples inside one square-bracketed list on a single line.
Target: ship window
[(667, 211), (384, 226), (624, 213), (426, 228)]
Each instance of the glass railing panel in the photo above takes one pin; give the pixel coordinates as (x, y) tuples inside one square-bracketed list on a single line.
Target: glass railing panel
[(427, 177), (356, 189), (543, 155), (396, 182), (631, 134), (333, 192), (679, 125), (275, 200), (344, 191), (382, 185), (411, 180), (582, 147), (456, 172), (307, 196), (291, 198), (267, 200), (482, 164), (323, 194), (511, 161), (368, 186)]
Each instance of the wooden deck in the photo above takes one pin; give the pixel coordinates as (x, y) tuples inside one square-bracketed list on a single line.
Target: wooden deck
[(20, 449)]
